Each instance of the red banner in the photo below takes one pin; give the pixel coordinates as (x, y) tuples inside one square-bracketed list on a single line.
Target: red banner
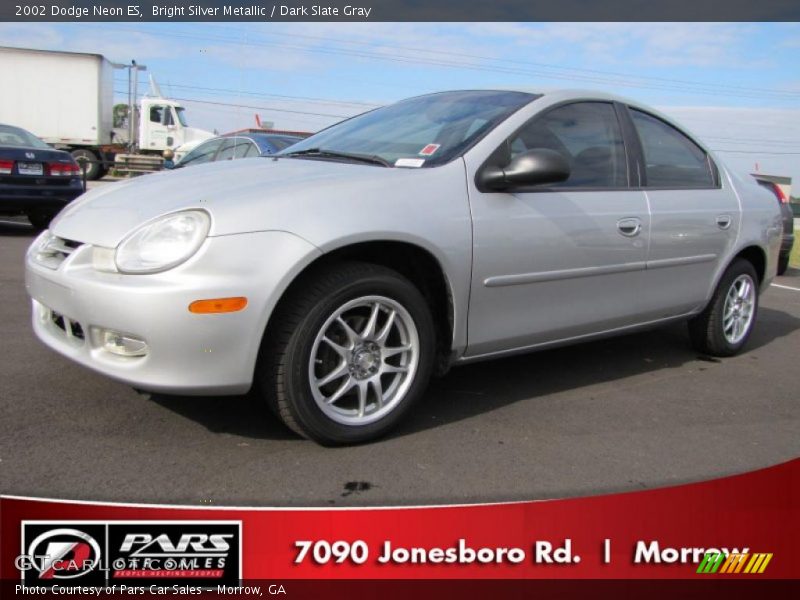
[(744, 527)]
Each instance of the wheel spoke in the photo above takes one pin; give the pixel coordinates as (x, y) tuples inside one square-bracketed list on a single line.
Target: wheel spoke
[(362, 398), (338, 348), (343, 389), (744, 291), (369, 328), (352, 335), (386, 329), (394, 369), (340, 371), (389, 352), (377, 387)]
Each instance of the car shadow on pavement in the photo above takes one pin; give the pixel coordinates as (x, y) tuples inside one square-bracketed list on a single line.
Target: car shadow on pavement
[(247, 416), (479, 388)]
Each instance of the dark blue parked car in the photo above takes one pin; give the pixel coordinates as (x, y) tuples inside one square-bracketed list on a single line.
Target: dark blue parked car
[(237, 145), (36, 180)]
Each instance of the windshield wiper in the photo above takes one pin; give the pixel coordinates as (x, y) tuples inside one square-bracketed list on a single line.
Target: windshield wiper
[(372, 159)]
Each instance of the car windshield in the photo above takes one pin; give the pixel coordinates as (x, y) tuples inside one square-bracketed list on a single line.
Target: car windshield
[(14, 136), (420, 132), (181, 112)]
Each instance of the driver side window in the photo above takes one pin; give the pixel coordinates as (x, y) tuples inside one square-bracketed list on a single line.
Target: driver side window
[(587, 135), (156, 114)]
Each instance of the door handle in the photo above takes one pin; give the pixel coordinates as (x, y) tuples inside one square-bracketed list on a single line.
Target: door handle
[(724, 221), (629, 227)]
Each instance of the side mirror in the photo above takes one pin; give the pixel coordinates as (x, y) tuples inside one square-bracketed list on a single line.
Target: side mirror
[(533, 167)]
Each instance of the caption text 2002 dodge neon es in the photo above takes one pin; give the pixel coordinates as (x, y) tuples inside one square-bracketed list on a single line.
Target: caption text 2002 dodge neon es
[(339, 274)]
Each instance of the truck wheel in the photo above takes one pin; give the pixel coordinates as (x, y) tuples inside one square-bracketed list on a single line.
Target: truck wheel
[(723, 327), (40, 220), (90, 159), (347, 354)]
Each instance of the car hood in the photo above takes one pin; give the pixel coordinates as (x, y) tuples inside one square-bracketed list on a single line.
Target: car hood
[(245, 195)]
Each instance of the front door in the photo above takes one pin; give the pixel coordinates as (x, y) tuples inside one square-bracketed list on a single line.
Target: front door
[(565, 261)]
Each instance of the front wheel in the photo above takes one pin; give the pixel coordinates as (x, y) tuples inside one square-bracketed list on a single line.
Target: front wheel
[(347, 353), (723, 328)]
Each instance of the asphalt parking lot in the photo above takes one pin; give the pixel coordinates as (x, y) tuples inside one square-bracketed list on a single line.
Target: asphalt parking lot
[(629, 413)]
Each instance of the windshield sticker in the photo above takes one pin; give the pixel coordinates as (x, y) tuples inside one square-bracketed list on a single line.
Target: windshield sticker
[(409, 162), (429, 150)]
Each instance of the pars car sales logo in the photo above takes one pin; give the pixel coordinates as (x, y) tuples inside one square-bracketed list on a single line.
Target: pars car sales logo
[(93, 553)]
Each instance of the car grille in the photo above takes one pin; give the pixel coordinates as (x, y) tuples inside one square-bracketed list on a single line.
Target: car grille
[(58, 323), (55, 252), (70, 328)]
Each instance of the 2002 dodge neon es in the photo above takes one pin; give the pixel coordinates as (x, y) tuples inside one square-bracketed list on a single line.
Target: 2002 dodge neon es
[(339, 274)]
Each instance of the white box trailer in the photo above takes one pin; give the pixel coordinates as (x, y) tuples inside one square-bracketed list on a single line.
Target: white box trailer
[(65, 98)]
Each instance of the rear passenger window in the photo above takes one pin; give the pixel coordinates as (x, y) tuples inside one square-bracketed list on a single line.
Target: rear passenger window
[(588, 135), (672, 159)]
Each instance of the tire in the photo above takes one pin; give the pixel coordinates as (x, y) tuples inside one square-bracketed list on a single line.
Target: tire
[(40, 220), (305, 325), (724, 327), (93, 169), (783, 263)]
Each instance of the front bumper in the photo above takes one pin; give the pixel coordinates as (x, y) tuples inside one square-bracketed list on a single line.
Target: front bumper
[(187, 353)]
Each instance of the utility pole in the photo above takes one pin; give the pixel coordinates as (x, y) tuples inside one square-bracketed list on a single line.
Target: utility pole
[(133, 81)]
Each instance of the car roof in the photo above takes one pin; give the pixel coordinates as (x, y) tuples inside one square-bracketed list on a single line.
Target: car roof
[(557, 95), (262, 140)]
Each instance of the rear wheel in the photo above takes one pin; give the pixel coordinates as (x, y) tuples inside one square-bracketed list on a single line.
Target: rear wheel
[(348, 354), (723, 328), (783, 263)]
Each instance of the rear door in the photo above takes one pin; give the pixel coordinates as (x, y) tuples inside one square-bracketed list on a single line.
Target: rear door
[(694, 217)]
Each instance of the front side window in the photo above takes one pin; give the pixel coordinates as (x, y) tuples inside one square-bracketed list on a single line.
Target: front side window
[(426, 131), (587, 134), (672, 160), (156, 114)]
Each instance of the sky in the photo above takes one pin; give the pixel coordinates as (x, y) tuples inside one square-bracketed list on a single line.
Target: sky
[(734, 85)]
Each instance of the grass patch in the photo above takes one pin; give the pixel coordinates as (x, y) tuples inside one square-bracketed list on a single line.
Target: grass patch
[(794, 257)]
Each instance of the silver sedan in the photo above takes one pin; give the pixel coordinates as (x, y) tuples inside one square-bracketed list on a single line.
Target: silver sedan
[(340, 274)]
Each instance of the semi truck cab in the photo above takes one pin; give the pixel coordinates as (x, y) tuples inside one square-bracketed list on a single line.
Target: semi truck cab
[(163, 124)]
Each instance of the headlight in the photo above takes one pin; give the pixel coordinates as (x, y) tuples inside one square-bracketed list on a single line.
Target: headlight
[(164, 243)]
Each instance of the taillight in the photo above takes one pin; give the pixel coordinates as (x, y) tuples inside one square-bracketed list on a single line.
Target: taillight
[(6, 166), (63, 169), (780, 194)]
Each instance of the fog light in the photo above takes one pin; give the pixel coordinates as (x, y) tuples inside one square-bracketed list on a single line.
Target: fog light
[(122, 344)]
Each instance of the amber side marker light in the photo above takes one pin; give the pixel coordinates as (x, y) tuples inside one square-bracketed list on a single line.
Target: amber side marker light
[(218, 305)]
